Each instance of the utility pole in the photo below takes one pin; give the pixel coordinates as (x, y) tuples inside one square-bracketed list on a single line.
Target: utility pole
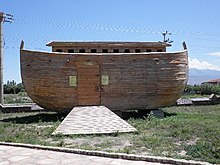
[(3, 18)]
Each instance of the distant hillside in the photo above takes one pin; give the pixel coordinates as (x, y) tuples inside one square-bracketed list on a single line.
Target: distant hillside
[(197, 76)]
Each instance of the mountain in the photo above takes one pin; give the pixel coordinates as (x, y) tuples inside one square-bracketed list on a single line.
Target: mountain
[(197, 76)]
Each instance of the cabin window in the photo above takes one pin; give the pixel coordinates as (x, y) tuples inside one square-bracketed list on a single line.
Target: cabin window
[(159, 50), (82, 50), (127, 51), (115, 50), (137, 50), (104, 50), (148, 50), (93, 50), (59, 50), (70, 50)]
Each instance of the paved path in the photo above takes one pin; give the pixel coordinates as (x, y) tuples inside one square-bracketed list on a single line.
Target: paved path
[(10, 155), (92, 120)]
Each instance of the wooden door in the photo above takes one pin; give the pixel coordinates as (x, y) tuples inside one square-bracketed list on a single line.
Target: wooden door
[(88, 84)]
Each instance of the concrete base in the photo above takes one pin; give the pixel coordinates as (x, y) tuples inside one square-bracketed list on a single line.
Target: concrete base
[(13, 108)]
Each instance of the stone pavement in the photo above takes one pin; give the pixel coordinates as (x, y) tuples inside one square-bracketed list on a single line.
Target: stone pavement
[(11, 155)]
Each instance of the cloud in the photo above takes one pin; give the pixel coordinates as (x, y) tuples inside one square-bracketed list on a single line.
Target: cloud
[(214, 54), (195, 63)]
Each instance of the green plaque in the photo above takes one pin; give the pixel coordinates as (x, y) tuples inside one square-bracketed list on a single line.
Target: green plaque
[(105, 80), (72, 81)]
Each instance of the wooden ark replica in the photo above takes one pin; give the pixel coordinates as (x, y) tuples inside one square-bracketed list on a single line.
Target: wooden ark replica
[(118, 75)]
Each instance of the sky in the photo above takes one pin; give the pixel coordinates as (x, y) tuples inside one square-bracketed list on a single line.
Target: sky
[(38, 22)]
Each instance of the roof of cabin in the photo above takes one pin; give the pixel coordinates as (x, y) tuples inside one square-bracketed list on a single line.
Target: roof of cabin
[(108, 43)]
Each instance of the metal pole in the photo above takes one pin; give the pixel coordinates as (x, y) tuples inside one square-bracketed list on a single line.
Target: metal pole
[(1, 58)]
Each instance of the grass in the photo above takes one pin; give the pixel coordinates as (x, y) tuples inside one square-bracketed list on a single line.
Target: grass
[(185, 132), (19, 98), (192, 133), (190, 96)]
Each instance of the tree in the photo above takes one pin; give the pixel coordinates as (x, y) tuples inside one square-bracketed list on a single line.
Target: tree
[(206, 89), (11, 87)]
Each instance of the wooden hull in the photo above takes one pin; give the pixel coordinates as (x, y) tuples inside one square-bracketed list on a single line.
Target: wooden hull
[(135, 80)]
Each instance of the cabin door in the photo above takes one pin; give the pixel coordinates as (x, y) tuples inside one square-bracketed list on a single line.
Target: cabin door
[(88, 83)]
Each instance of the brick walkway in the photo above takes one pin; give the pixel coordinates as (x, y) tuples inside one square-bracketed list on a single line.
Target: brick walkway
[(10, 155)]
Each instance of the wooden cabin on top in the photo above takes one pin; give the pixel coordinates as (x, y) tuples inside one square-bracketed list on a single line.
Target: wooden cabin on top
[(108, 47)]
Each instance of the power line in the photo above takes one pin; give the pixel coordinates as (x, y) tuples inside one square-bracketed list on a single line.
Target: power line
[(93, 26), (83, 25), (100, 27)]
